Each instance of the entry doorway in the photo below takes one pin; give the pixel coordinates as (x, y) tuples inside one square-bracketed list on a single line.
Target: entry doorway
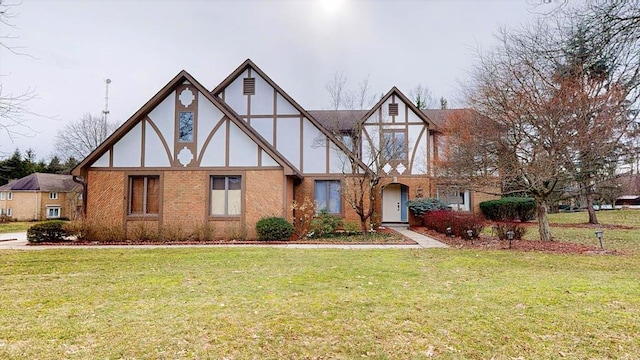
[(394, 203)]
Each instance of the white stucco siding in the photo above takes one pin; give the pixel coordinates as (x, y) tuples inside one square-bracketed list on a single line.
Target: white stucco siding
[(315, 149), (155, 154), (267, 160), (127, 152), (208, 116), (401, 111), (163, 117), (215, 153), (243, 151), (233, 94), (288, 139), (262, 101), (284, 107), (418, 149), (264, 127), (413, 117)]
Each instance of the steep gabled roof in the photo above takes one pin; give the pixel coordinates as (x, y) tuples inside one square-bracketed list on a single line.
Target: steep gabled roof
[(250, 64), (395, 91), (42, 182), (157, 99)]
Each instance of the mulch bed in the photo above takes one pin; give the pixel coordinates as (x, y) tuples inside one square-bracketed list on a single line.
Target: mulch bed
[(493, 243), (327, 241)]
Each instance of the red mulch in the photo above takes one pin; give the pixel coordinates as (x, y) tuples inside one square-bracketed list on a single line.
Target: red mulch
[(493, 243)]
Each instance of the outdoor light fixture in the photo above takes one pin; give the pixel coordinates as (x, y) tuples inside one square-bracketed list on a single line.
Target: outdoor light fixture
[(470, 233), (449, 231), (510, 235), (599, 236)]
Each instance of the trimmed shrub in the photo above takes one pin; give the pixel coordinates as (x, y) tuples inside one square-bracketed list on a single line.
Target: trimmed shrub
[(325, 224), (458, 222), (420, 206), (273, 229), (502, 229), (48, 231), (509, 209)]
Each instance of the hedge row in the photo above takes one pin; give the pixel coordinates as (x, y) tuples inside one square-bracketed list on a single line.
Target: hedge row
[(458, 223), (509, 209)]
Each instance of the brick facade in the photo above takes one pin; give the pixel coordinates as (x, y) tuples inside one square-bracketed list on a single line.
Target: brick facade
[(33, 205)]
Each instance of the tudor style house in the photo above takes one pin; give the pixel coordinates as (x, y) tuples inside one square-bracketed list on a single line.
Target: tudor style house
[(246, 150)]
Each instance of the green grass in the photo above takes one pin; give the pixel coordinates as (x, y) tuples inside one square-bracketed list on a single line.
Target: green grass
[(16, 226), (269, 303), (613, 239)]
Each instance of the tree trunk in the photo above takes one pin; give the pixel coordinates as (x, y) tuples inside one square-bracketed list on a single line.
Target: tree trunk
[(363, 226), (543, 222), (592, 213)]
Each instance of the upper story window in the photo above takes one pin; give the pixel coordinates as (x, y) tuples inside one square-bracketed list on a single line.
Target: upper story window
[(185, 126), (53, 195), (9, 195), (144, 195), (3, 195), (394, 145), (226, 195)]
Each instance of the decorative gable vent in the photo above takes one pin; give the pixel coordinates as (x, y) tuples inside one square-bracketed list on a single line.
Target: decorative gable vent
[(393, 109), (249, 86)]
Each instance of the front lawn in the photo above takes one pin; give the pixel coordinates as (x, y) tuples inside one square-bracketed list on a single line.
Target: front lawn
[(269, 303), (16, 226)]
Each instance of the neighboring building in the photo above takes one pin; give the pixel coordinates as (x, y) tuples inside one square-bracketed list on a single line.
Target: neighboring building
[(41, 196), (247, 150)]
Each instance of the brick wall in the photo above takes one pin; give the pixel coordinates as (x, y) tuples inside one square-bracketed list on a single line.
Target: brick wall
[(265, 196), (184, 198), (105, 197)]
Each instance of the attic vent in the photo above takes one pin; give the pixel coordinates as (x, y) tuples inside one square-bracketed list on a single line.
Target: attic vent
[(393, 109), (249, 86)]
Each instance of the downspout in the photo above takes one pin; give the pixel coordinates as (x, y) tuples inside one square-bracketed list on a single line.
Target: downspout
[(84, 195)]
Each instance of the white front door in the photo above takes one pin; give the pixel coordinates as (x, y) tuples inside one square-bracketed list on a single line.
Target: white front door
[(391, 199)]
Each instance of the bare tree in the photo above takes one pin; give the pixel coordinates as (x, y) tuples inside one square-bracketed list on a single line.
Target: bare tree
[(422, 97), (13, 106), (79, 138), (367, 153), (550, 115)]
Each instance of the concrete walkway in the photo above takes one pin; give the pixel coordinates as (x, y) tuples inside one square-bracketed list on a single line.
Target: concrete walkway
[(18, 241)]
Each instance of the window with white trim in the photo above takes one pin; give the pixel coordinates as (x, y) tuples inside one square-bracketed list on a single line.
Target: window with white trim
[(9, 212), (9, 195), (226, 195), (328, 196), (53, 195), (3, 195), (144, 195), (53, 212)]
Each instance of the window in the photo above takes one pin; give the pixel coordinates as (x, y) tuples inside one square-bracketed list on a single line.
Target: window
[(144, 195), (327, 196), (185, 126), (2, 195), (53, 212), (53, 195), (226, 195), (249, 86), (9, 212), (393, 109), (453, 198), (394, 145), (9, 196)]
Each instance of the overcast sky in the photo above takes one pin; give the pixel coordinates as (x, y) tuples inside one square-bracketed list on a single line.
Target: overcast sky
[(73, 46)]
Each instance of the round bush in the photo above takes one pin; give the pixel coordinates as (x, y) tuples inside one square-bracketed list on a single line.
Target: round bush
[(48, 231), (274, 229)]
